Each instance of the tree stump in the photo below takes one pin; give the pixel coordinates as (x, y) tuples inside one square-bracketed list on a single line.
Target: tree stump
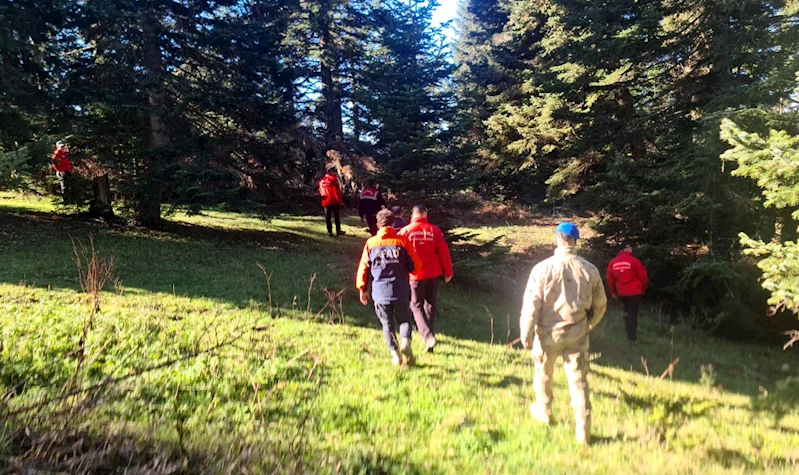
[(101, 204)]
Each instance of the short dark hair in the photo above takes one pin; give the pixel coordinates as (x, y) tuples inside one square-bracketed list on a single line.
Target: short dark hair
[(624, 245), (419, 209), (370, 183), (331, 169), (385, 218)]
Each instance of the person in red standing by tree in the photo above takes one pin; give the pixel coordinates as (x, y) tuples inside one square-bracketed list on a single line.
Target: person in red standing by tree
[(330, 191), (61, 165), (627, 279)]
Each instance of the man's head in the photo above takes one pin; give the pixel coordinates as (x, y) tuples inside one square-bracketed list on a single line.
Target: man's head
[(626, 246), (566, 235), (419, 211), (331, 170), (385, 218), (60, 145), (397, 210), (370, 183)]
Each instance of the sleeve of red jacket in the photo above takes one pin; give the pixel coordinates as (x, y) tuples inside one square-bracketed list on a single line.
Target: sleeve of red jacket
[(362, 276), (611, 279), (443, 254), (641, 271)]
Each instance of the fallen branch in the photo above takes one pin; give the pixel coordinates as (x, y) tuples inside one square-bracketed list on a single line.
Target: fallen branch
[(514, 342), (670, 370)]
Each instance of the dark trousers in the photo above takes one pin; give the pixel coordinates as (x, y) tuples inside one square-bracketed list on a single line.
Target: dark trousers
[(333, 211), (391, 316), (424, 294), (372, 222), (631, 306)]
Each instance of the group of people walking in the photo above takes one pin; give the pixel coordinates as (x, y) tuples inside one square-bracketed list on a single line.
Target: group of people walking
[(563, 302)]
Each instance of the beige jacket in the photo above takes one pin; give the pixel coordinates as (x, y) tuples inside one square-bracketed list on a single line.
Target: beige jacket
[(560, 292)]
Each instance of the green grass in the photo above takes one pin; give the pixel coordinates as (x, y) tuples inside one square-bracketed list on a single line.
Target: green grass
[(291, 391)]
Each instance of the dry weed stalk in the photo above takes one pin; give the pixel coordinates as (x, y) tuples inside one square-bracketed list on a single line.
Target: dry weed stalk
[(646, 367), (491, 320), (794, 337), (335, 302), (93, 273), (310, 288), (268, 285)]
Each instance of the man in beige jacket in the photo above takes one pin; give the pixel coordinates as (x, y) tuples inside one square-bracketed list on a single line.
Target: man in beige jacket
[(564, 300)]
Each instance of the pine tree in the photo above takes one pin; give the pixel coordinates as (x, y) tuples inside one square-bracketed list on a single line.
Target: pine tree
[(406, 99)]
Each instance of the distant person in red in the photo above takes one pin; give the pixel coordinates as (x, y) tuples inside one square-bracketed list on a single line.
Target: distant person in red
[(61, 165), (370, 204), (429, 244), (627, 279), (330, 191)]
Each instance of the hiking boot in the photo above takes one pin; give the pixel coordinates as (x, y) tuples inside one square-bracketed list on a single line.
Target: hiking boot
[(429, 344), (541, 414), (340, 232), (407, 352), (395, 358)]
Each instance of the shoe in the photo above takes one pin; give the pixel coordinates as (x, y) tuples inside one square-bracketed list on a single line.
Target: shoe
[(329, 234), (407, 352), (540, 414), (429, 344), (395, 358), (341, 233)]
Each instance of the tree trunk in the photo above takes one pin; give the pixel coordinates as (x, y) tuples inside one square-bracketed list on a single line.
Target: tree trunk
[(331, 92), (148, 209), (637, 145)]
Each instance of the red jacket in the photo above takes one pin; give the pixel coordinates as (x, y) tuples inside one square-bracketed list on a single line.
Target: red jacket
[(428, 242), (626, 276), (330, 190), (61, 162)]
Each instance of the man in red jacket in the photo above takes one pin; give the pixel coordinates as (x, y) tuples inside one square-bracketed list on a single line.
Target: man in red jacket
[(627, 279), (330, 191), (61, 165), (429, 244)]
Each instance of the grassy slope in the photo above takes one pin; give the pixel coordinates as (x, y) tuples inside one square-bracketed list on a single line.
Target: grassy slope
[(295, 392)]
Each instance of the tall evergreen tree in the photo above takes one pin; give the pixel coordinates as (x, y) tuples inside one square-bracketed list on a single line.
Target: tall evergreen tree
[(406, 95)]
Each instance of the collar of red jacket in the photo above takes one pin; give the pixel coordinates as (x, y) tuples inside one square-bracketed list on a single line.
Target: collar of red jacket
[(387, 232), (420, 219)]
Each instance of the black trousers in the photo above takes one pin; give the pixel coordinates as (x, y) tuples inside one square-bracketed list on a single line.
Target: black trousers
[(631, 306), (333, 211), (371, 220)]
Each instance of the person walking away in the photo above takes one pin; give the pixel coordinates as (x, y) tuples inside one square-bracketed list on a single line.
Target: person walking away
[(370, 204), (330, 191), (389, 259), (61, 165), (429, 244), (627, 279), (564, 300), (399, 223)]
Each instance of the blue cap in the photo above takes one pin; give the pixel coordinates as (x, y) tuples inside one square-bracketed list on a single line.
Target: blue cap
[(568, 229)]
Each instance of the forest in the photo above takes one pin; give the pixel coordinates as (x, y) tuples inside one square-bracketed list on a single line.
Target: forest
[(668, 123)]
